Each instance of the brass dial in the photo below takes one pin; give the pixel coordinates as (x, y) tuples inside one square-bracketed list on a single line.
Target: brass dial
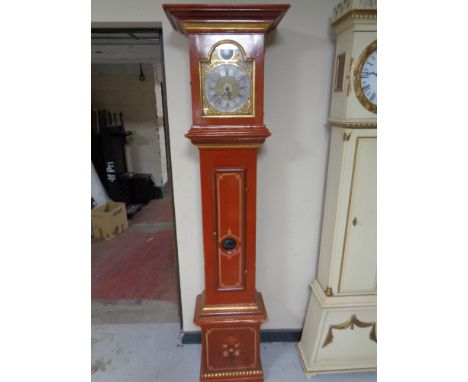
[(227, 88), (227, 81)]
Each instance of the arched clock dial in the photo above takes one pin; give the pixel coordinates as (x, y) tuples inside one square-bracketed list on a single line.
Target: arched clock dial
[(227, 78), (227, 88), (365, 81)]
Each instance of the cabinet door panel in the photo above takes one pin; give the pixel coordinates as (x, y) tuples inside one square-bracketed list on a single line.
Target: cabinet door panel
[(236, 348), (359, 262)]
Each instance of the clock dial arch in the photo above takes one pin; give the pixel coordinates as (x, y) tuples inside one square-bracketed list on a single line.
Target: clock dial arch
[(365, 78)]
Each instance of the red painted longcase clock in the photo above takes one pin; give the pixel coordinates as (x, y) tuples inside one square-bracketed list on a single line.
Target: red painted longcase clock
[(226, 73)]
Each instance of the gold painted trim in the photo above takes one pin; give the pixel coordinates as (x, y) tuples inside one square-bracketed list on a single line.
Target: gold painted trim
[(348, 213), (229, 233), (230, 307), (232, 373), (329, 292), (346, 136), (336, 88), (240, 177), (212, 63), (191, 26), (370, 13), (353, 125), (228, 146), (357, 78), (351, 65), (350, 324)]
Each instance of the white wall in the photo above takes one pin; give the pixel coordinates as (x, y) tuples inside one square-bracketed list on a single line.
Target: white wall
[(292, 162), (160, 110)]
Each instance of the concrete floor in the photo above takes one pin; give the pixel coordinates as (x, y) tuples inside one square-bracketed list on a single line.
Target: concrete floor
[(149, 352), (134, 312)]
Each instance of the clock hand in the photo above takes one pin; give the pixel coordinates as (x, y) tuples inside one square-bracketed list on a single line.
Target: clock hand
[(227, 91), (218, 98)]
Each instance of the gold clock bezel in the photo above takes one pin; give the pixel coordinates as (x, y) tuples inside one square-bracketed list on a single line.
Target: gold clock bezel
[(207, 64), (357, 78)]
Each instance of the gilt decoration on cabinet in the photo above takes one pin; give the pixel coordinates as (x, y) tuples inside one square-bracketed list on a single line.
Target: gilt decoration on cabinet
[(353, 321)]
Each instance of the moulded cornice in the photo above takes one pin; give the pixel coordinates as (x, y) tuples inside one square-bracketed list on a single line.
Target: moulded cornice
[(353, 124), (224, 18)]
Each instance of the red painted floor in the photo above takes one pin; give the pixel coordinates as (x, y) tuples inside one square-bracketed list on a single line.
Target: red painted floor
[(156, 211), (137, 264)]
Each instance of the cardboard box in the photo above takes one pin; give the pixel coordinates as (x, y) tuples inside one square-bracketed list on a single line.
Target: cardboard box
[(109, 220)]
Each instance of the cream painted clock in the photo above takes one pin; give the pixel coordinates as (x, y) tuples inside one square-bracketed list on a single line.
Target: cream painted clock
[(340, 329)]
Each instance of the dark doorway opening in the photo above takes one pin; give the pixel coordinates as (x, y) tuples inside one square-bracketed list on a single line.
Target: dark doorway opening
[(135, 271)]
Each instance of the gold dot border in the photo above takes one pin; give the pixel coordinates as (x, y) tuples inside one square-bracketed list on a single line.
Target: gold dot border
[(232, 373)]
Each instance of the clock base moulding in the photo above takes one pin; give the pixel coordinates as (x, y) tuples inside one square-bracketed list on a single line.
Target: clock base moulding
[(340, 333), (230, 337)]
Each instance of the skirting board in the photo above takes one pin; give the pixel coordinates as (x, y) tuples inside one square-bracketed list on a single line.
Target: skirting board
[(268, 335), (160, 192)]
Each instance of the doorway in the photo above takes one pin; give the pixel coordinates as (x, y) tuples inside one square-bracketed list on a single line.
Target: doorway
[(134, 269)]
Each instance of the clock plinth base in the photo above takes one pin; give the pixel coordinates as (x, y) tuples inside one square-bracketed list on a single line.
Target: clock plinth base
[(230, 340)]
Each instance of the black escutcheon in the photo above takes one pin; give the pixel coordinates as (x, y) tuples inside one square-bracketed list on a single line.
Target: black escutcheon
[(228, 244)]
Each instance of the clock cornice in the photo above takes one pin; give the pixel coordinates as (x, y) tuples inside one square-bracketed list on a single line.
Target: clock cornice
[(354, 12), (224, 18)]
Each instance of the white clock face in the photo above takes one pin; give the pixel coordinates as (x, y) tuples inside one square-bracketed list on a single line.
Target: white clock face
[(227, 88), (369, 78)]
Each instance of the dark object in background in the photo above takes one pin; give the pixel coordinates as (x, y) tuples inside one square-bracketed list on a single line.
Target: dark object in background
[(96, 148), (113, 139), (108, 155), (132, 210), (141, 189)]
